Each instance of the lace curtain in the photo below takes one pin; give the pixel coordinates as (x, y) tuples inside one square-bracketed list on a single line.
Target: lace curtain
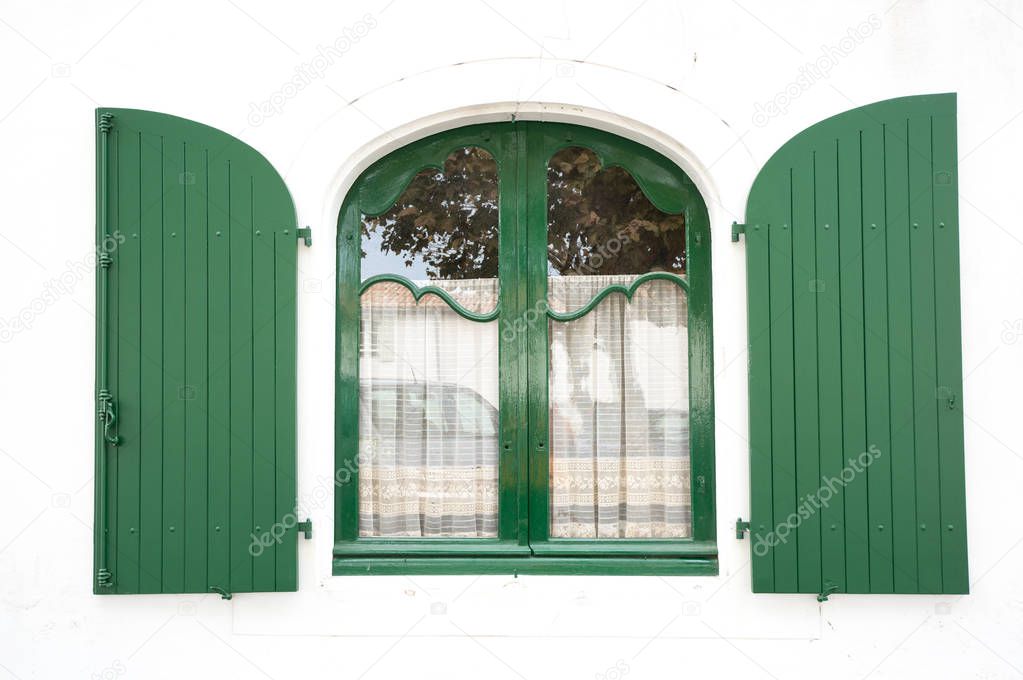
[(428, 426), (619, 412)]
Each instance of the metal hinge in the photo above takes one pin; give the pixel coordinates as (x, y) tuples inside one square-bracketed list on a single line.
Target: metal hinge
[(736, 230), (108, 416), (224, 594), (829, 588), (305, 528), (306, 234), (741, 528), (104, 578)]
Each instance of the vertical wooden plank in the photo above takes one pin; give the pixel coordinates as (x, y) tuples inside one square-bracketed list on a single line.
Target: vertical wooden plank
[(875, 339), (242, 526), (284, 281), (854, 445), (954, 568), (759, 348), (759, 314), (218, 267), (925, 387), (829, 364), (900, 357), (127, 257), (270, 526), (195, 390), (804, 267), (174, 322), (782, 409), (151, 398), (114, 284)]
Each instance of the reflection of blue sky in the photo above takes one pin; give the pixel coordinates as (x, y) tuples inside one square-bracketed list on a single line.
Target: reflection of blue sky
[(376, 261)]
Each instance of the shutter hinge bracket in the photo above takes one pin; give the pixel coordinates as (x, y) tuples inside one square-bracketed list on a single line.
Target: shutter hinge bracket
[(104, 578), (305, 528), (306, 234), (224, 594), (737, 229), (741, 528), (829, 588), (106, 122)]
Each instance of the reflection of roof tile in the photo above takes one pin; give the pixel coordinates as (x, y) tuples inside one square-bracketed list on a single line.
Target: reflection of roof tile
[(480, 295), (476, 295)]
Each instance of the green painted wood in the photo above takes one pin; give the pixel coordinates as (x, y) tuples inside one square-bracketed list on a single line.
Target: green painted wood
[(551, 566), (900, 353), (955, 577), (129, 330), (200, 356), (800, 195), (829, 362), (758, 262), (875, 360), (522, 150), (783, 454), (854, 396), (866, 364)]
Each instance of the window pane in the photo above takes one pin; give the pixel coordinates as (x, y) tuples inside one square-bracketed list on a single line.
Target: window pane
[(442, 230), (619, 414), (600, 223), (428, 418)]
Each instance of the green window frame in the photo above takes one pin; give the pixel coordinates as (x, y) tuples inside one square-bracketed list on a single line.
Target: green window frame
[(522, 151)]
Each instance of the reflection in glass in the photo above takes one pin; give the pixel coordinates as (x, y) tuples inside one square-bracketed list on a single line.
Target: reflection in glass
[(428, 419), (599, 222), (428, 412), (618, 386), (443, 226), (619, 415)]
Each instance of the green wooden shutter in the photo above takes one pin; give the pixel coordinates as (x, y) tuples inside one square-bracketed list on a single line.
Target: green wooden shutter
[(854, 342), (195, 450)]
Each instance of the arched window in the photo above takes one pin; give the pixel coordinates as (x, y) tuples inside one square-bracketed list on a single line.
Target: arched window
[(524, 358)]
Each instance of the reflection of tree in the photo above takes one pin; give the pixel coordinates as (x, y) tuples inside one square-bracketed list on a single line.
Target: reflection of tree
[(600, 222), (446, 219)]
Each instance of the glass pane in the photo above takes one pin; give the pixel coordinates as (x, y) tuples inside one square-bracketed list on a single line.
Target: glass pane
[(442, 230), (619, 414), (600, 223), (428, 418)]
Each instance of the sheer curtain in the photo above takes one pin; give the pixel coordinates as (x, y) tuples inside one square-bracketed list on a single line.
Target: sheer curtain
[(619, 412), (428, 424)]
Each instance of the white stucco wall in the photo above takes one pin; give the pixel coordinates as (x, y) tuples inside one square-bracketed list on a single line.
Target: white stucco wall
[(683, 77)]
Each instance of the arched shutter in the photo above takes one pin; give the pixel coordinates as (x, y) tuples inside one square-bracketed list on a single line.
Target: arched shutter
[(856, 421), (195, 450)]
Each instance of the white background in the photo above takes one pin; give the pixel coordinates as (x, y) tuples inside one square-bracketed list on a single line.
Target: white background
[(684, 77)]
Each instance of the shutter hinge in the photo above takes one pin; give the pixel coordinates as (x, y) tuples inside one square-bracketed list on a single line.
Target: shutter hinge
[(736, 230), (224, 594), (306, 234), (106, 122), (741, 528), (104, 578), (305, 528), (829, 589)]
